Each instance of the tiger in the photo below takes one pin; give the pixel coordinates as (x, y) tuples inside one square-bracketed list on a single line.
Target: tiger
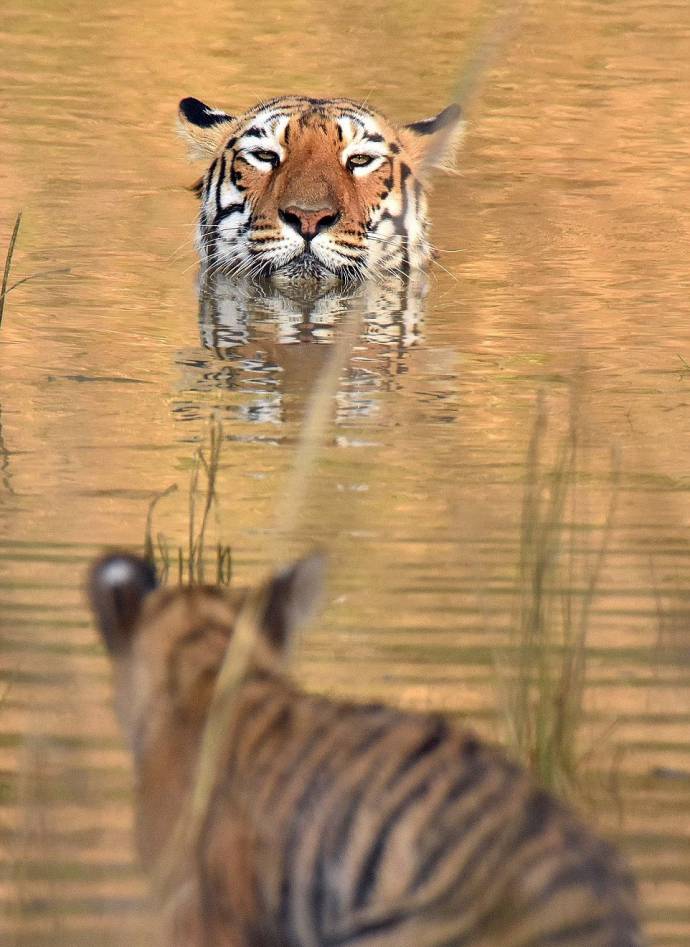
[(333, 823), (315, 190)]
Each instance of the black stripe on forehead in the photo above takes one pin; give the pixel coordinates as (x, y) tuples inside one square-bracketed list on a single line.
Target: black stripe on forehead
[(349, 105), (267, 111), (269, 120), (289, 104), (315, 118), (300, 101), (353, 118), (262, 125), (287, 107)]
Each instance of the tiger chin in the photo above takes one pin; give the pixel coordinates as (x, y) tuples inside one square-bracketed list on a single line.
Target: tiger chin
[(315, 190), (334, 823)]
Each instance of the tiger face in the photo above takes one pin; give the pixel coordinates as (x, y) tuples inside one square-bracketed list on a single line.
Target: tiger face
[(314, 189)]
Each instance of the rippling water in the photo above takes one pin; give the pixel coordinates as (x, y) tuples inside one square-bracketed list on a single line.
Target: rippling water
[(562, 265)]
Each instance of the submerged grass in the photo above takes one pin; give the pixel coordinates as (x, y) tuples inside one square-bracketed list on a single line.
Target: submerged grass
[(201, 560), (542, 680)]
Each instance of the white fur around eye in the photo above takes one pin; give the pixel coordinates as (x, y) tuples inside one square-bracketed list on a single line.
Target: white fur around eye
[(360, 145), (264, 166), (361, 172)]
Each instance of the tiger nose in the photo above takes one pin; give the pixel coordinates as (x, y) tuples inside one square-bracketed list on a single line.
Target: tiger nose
[(308, 221)]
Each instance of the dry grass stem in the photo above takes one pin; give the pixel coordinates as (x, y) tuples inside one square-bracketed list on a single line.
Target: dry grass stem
[(5, 290), (8, 265), (190, 564)]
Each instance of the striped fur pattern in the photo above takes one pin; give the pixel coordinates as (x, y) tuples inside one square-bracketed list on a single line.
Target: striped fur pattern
[(229, 309), (300, 188), (334, 823)]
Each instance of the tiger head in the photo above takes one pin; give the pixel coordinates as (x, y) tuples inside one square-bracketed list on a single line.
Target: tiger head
[(315, 189), (167, 644)]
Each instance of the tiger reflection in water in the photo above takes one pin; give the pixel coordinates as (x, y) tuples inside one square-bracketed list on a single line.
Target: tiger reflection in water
[(271, 342)]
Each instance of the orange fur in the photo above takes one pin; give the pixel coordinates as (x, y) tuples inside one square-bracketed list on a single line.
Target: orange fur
[(332, 823), (315, 188)]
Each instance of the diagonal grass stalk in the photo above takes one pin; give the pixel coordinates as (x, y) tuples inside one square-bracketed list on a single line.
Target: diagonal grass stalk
[(8, 265), (5, 290)]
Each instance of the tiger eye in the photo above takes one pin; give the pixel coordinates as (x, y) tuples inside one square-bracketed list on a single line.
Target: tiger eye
[(270, 157), (359, 161)]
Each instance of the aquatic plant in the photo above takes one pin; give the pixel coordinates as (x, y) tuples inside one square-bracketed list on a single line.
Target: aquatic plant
[(8, 265), (189, 564), (5, 290), (542, 674)]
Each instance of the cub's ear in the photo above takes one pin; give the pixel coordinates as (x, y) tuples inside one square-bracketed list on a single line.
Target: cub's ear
[(117, 586), (202, 127), (434, 141), (291, 599)]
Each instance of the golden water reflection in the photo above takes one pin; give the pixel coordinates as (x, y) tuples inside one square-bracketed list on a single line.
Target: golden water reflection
[(562, 264)]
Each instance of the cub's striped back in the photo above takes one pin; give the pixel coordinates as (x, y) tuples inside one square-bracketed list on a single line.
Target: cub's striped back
[(333, 823), (324, 190)]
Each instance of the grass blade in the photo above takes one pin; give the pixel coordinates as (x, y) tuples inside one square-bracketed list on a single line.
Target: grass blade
[(8, 265)]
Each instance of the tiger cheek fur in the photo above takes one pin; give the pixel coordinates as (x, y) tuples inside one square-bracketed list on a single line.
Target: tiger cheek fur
[(334, 823), (319, 189)]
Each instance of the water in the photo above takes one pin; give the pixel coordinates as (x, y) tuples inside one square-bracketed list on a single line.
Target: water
[(563, 266)]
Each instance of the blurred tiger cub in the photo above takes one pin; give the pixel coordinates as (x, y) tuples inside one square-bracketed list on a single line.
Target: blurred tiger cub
[(323, 190), (334, 823)]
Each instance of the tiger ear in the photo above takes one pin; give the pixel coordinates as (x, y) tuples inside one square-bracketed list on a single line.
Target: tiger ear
[(434, 141), (117, 586), (202, 127), (292, 596)]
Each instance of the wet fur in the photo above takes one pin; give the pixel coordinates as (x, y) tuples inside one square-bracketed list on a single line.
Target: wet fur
[(379, 224)]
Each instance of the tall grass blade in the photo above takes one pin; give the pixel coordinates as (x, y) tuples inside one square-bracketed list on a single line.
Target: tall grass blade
[(8, 265), (543, 677), (189, 562), (5, 290), (149, 546)]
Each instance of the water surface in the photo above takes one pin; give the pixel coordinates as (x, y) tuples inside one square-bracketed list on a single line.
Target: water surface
[(562, 266)]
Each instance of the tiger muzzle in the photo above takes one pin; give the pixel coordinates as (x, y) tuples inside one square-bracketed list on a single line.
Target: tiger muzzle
[(309, 221)]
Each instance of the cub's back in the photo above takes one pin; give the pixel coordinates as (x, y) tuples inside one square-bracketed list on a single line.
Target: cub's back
[(368, 826)]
